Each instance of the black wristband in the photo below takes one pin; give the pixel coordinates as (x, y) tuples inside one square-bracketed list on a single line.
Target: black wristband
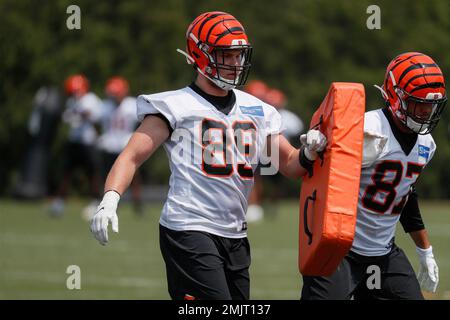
[(305, 162)]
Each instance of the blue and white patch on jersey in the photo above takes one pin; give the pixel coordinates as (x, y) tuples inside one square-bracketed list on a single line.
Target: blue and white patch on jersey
[(252, 110), (424, 152)]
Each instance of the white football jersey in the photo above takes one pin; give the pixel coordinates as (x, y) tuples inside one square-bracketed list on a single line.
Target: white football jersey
[(118, 124), (81, 114), (385, 186), (212, 157)]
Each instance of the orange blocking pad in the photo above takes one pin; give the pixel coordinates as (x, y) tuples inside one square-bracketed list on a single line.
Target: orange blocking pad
[(328, 199)]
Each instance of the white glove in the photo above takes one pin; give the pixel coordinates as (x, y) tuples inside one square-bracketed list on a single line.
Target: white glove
[(106, 212), (429, 272), (314, 141)]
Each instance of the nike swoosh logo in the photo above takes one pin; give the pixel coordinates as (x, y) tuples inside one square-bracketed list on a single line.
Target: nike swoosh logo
[(100, 209)]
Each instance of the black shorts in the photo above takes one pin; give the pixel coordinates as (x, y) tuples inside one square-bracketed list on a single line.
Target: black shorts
[(354, 279), (201, 265), (82, 156), (107, 160)]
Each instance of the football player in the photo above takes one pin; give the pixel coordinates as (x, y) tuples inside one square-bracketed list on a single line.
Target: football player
[(291, 129), (397, 147), (292, 124), (83, 109), (119, 120), (255, 211), (214, 136)]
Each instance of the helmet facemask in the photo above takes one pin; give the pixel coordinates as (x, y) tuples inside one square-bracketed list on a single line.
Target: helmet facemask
[(420, 115), (225, 75)]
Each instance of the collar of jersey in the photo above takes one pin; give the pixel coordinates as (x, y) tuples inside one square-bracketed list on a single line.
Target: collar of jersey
[(213, 107), (407, 141)]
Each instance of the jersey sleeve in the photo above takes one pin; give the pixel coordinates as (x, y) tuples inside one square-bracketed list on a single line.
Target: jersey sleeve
[(274, 123), (146, 104), (93, 105), (432, 149), (374, 139), (130, 108)]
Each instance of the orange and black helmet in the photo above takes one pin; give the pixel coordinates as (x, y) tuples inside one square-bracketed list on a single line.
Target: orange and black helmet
[(414, 83), (276, 98), (76, 85), (117, 87), (209, 37)]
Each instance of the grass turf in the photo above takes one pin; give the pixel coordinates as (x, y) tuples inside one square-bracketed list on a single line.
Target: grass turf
[(35, 251)]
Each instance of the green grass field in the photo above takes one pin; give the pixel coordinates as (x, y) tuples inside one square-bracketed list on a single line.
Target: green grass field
[(35, 251)]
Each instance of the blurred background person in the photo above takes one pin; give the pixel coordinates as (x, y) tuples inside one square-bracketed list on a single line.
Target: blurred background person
[(119, 120), (42, 127), (255, 211), (292, 127), (83, 110), (292, 124), (257, 88), (336, 44)]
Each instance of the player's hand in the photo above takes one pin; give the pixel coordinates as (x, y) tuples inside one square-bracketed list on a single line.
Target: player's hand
[(314, 142), (429, 272), (106, 213)]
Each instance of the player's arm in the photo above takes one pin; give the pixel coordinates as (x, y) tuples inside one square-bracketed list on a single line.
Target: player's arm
[(289, 164), (412, 223), (152, 132), (294, 163)]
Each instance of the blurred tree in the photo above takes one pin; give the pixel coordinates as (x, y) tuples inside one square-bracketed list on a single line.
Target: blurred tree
[(299, 46)]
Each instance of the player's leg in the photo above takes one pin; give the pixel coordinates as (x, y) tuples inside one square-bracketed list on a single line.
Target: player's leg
[(237, 263), (339, 286), (71, 161), (194, 266), (255, 211), (398, 279), (70, 156), (91, 167), (107, 161)]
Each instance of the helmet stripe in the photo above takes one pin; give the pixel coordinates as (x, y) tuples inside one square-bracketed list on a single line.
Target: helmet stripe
[(200, 18), (413, 67), (421, 75), (429, 85), (208, 19), (397, 64), (228, 31), (215, 24), (407, 58)]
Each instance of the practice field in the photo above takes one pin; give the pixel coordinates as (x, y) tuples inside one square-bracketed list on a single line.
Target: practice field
[(35, 251)]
